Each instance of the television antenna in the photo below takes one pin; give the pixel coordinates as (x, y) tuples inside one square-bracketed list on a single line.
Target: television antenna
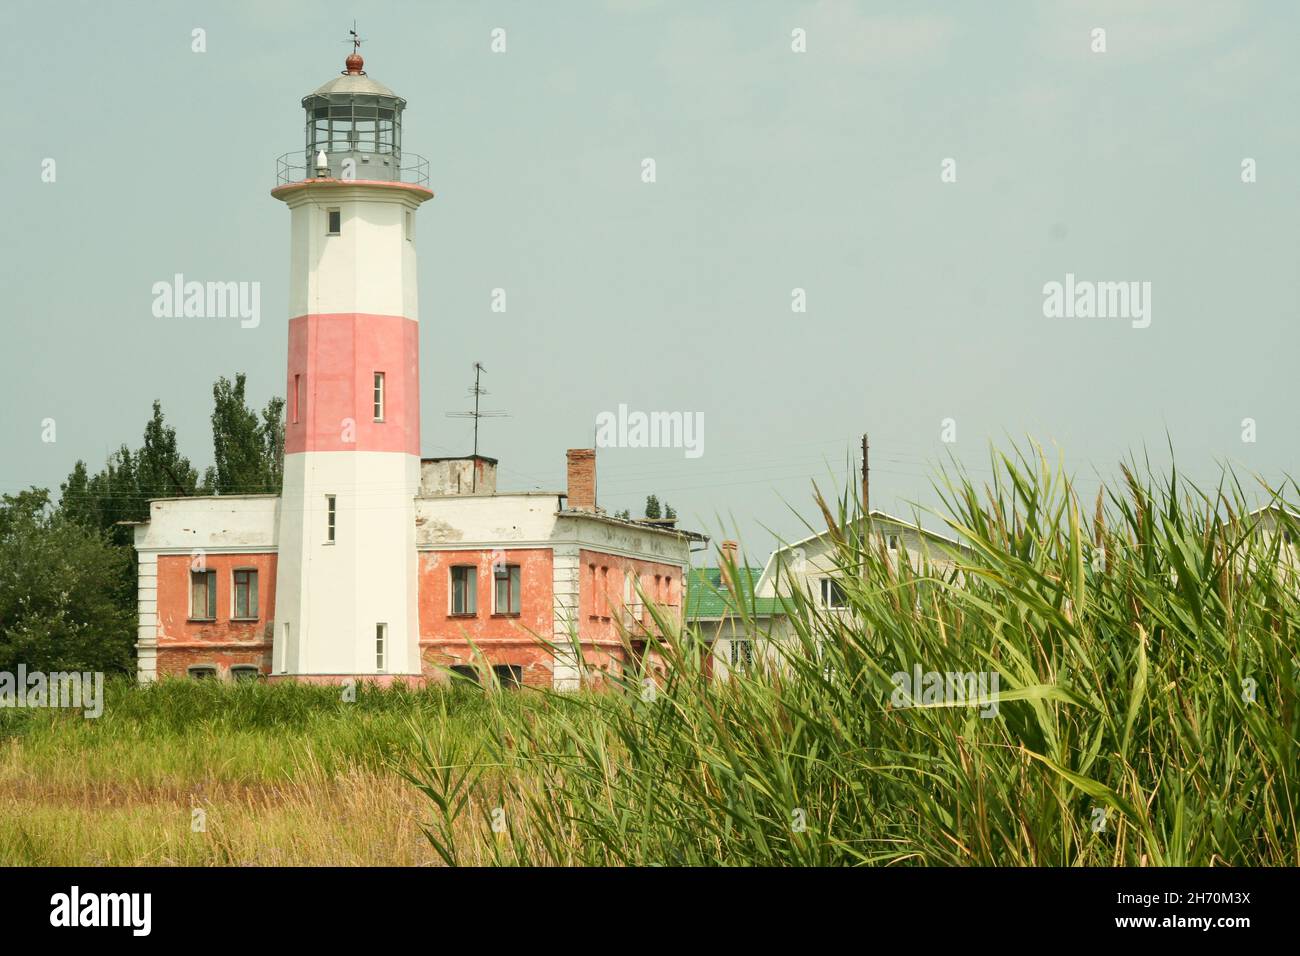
[(477, 391)]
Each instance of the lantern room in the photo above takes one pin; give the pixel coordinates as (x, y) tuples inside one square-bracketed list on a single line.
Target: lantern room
[(356, 123)]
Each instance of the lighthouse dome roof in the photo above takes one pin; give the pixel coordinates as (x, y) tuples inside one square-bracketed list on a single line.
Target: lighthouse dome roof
[(353, 83)]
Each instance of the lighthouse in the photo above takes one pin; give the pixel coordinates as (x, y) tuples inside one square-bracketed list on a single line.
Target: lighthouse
[(346, 579), (371, 563)]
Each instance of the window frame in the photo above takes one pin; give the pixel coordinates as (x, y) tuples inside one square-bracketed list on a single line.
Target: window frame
[(379, 396), (513, 580), (828, 588), (254, 604), (210, 577), (330, 228), (381, 648), (741, 662), (250, 669), (202, 672), (470, 574), (331, 518)]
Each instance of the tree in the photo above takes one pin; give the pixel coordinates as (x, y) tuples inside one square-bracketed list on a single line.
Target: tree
[(66, 595), (122, 489), (161, 470), (248, 452), (655, 511)]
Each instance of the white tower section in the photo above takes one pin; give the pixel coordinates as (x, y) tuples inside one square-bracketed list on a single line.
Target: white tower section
[(346, 580)]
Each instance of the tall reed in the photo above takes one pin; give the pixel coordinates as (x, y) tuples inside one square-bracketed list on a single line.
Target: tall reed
[(1145, 652)]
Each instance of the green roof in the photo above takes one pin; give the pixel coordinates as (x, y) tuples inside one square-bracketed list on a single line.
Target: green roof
[(707, 597)]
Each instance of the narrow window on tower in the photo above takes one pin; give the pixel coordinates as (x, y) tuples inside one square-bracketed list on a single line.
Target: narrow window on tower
[(381, 639), (297, 397), (379, 396), (410, 226), (330, 515), (284, 648), (335, 217)]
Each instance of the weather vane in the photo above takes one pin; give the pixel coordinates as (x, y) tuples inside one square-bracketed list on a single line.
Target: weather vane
[(356, 41)]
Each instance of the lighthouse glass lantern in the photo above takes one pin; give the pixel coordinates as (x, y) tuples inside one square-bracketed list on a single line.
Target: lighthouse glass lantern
[(357, 124)]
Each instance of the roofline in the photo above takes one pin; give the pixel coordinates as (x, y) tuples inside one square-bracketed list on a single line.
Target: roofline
[(535, 493), (630, 523), (462, 458), (1263, 508), (213, 497), (913, 525)]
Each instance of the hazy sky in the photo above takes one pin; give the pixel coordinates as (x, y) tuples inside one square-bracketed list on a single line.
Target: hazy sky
[(775, 170)]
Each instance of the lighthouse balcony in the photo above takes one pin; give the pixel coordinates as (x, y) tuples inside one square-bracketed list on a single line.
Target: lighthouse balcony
[(302, 166)]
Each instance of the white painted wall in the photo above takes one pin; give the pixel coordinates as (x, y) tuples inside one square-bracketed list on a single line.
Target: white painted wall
[(332, 595), (803, 564), (226, 524), (369, 267)]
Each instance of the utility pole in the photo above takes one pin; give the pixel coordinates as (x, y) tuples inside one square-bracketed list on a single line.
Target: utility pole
[(866, 477)]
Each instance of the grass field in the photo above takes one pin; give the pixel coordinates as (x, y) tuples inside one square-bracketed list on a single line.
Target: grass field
[(1146, 652)]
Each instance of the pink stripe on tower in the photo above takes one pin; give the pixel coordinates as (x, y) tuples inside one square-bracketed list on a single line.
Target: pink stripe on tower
[(332, 364)]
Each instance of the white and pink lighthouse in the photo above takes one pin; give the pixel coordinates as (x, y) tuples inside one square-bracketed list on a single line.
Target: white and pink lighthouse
[(352, 418), (372, 563)]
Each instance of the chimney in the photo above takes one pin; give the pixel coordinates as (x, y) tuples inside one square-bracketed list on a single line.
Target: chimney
[(729, 552), (582, 479)]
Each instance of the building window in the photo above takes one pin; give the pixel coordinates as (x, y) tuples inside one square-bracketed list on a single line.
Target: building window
[(335, 218), (202, 672), (381, 642), (464, 591), (509, 676), (330, 515), (603, 603), (742, 654), (833, 594), (462, 674), (203, 595), (410, 226), (245, 672), (245, 588), (893, 542), (297, 397), (595, 595), (379, 396), (507, 589)]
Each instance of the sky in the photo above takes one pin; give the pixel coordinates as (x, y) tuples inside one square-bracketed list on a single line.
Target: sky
[(828, 170)]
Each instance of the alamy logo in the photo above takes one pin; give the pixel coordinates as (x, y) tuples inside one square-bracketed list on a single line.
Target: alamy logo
[(103, 909), (950, 689), (624, 429), (76, 691), (1084, 299), (179, 299)]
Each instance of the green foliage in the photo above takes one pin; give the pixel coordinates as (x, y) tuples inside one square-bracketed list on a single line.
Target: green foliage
[(652, 509), (66, 595), (1146, 710), (122, 489), (248, 452)]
